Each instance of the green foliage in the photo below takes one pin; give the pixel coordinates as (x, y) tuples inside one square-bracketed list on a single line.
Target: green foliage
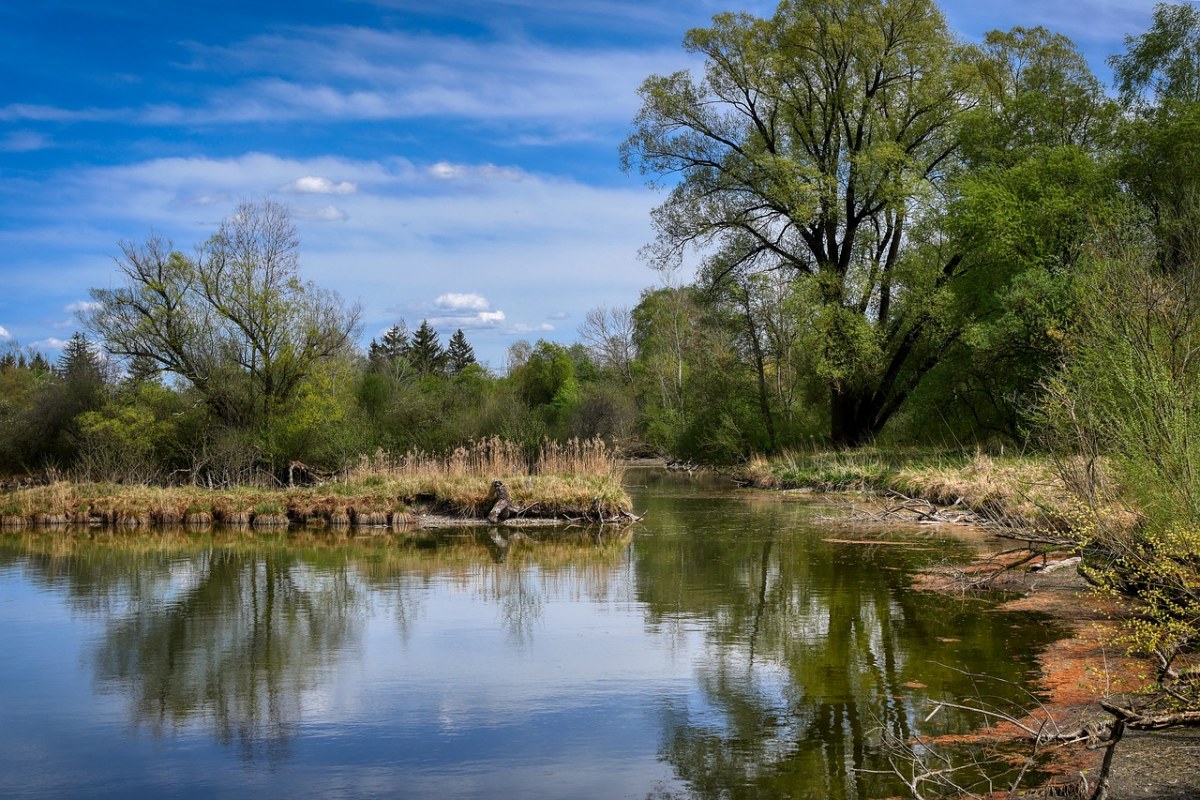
[(1125, 416), (1037, 93), (425, 351), (459, 353), (236, 322), (545, 373), (1163, 64), (1159, 162), (1132, 385), (789, 159), (320, 425)]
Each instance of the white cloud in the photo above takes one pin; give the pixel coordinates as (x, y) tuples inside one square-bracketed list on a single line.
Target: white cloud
[(49, 343), (312, 184), (445, 170), (324, 213), (23, 142), (4, 334), (544, 327), (469, 301), (80, 306), (493, 320), (204, 200), (525, 249), (43, 113), (551, 92)]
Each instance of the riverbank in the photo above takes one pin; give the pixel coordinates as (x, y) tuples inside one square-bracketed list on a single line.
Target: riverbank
[(1078, 671), (576, 481), (375, 502), (1088, 665), (1019, 491)]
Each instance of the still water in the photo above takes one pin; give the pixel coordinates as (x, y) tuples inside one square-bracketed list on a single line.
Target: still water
[(730, 646)]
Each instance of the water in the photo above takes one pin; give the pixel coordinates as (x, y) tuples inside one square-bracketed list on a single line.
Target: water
[(727, 648)]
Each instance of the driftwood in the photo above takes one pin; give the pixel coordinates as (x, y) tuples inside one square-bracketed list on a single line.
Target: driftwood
[(503, 507), (902, 508), (301, 474)]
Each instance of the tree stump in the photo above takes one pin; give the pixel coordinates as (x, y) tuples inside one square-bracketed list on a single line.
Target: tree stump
[(503, 506)]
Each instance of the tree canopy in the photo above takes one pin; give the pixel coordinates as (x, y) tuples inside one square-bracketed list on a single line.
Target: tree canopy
[(235, 320), (813, 143)]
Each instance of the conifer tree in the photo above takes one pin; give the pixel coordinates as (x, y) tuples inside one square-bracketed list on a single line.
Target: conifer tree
[(394, 341), (386, 353), (141, 369), (460, 353), (78, 362), (425, 352)]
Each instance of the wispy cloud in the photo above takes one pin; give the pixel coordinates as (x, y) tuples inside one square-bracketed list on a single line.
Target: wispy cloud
[(480, 320), (313, 184), (492, 253), (49, 343), (33, 112), (4, 334), (24, 142), (446, 171), (346, 73), (329, 213), (1084, 20), (80, 306), (462, 301)]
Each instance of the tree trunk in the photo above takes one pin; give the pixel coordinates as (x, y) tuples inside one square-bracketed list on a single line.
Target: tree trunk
[(854, 417), (760, 368)]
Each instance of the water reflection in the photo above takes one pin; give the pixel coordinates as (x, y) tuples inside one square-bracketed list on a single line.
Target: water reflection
[(814, 648), (231, 631), (734, 646)]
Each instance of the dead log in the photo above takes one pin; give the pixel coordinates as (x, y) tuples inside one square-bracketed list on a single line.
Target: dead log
[(502, 507)]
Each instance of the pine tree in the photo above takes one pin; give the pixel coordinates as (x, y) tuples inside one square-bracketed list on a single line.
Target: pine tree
[(394, 341), (141, 369), (386, 354), (79, 362), (460, 354), (425, 352)]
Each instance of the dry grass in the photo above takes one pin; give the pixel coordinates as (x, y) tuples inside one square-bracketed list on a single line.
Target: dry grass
[(576, 479), (1023, 490)]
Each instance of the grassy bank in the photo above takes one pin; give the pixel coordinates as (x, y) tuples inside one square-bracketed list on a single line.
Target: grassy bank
[(572, 480), (1023, 489)]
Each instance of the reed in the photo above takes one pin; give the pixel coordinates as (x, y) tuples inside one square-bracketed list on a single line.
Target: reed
[(1022, 489), (579, 478)]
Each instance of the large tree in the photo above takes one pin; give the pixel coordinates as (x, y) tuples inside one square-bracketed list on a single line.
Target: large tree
[(235, 320), (814, 143), (1158, 78)]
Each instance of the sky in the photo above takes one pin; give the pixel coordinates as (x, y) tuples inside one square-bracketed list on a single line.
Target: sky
[(454, 161)]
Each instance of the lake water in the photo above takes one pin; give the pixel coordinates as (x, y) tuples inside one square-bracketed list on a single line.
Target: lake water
[(730, 646)]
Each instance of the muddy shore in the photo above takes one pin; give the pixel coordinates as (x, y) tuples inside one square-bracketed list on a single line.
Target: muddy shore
[(1076, 673)]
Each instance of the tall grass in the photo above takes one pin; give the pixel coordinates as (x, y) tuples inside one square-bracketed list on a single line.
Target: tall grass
[(579, 478), (1022, 489), (495, 458)]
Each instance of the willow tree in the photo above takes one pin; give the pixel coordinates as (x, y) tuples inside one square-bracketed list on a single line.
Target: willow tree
[(235, 321), (815, 143)]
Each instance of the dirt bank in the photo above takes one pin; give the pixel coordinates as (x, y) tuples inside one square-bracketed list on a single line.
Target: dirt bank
[(1076, 673)]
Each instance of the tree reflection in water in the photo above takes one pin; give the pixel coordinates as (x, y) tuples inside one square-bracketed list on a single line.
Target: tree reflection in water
[(812, 648), (773, 653), (237, 649), (231, 632)]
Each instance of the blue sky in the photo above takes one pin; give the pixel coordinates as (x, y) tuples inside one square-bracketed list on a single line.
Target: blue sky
[(455, 161)]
